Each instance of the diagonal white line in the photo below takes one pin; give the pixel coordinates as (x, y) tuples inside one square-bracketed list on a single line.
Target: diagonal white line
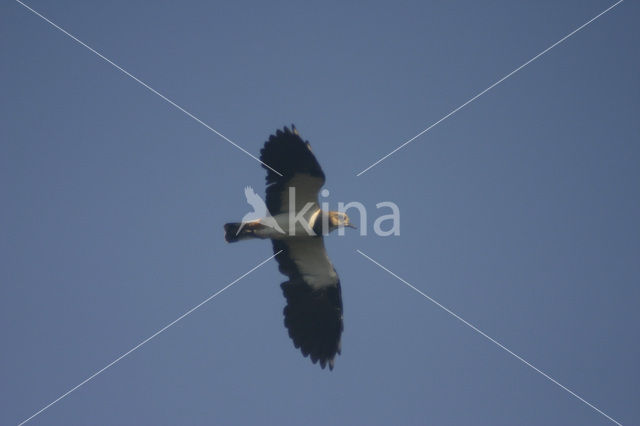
[(491, 339), (490, 87), (145, 85), (190, 311)]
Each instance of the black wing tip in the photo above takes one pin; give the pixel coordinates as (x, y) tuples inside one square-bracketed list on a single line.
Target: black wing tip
[(313, 319), (322, 361), (286, 152), (285, 131)]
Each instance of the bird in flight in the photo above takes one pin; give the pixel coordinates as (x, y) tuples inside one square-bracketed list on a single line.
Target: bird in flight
[(296, 225)]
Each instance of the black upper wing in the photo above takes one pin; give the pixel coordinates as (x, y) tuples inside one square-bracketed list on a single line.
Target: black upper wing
[(287, 153), (313, 314)]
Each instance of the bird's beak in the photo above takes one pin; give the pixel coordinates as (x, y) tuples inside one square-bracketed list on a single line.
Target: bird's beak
[(350, 226)]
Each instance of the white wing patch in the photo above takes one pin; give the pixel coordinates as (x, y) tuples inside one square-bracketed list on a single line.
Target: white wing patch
[(312, 262), (306, 191)]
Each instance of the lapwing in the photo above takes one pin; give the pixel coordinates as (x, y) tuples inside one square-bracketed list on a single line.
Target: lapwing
[(296, 225)]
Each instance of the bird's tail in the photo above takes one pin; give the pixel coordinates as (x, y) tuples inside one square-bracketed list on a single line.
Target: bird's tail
[(237, 231)]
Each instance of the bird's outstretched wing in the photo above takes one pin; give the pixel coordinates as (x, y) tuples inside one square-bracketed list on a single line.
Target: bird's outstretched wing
[(287, 153), (313, 314)]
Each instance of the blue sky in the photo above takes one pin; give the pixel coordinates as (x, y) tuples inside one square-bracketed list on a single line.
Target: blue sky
[(519, 213)]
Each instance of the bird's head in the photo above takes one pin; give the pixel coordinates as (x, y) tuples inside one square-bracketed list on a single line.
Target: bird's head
[(339, 219)]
